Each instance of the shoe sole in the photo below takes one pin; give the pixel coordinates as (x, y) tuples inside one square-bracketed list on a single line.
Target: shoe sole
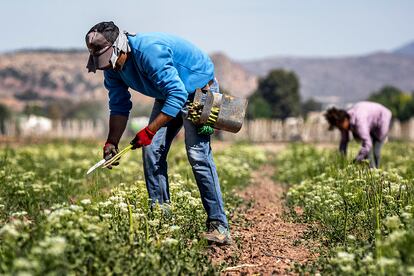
[(218, 242)]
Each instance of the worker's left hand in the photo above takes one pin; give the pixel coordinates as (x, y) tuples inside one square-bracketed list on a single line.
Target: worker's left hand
[(142, 138)]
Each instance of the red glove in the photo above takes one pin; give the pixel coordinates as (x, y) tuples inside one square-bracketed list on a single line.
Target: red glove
[(142, 138)]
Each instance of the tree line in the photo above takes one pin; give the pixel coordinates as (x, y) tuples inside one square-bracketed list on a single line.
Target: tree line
[(277, 97)]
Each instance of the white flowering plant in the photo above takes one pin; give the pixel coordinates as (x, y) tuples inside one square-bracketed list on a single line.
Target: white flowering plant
[(55, 220), (363, 216)]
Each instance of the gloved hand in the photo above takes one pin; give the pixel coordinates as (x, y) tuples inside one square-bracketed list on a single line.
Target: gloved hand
[(142, 138), (109, 150)]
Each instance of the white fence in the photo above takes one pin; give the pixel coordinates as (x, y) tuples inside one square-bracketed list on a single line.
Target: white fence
[(314, 129), (43, 127)]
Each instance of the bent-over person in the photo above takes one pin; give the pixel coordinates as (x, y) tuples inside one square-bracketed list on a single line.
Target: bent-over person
[(369, 123)]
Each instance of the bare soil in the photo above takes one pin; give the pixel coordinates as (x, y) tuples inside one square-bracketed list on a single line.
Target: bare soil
[(264, 241)]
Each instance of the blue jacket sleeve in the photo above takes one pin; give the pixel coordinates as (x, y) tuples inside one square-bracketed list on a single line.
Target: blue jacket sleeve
[(119, 96), (157, 61)]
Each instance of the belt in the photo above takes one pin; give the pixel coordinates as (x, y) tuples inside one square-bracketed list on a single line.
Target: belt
[(207, 86)]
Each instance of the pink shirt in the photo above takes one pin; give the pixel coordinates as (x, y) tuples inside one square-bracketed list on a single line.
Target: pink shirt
[(368, 122)]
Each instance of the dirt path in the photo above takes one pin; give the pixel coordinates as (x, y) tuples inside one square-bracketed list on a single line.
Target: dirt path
[(264, 242)]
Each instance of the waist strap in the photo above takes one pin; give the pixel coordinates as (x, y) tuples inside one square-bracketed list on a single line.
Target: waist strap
[(207, 86)]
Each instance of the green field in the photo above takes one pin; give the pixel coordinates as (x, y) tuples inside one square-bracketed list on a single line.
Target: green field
[(54, 220), (362, 217)]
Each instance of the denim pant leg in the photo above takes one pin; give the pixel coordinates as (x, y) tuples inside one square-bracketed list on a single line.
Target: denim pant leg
[(377, 152), (201, 159), (155, 157)]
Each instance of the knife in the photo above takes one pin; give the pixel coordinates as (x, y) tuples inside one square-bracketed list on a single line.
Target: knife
[(97, 165), (105, 163)]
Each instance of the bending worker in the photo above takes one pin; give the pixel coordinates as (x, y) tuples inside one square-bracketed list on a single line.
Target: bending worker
[(168, 69), (369, 123)]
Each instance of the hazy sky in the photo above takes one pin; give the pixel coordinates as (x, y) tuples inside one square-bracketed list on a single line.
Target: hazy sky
[(243, 29)]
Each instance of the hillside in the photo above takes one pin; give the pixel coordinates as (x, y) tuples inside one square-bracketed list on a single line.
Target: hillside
[(49, 74), (407, 49), (40, 75), (233, 77), (339, 80)]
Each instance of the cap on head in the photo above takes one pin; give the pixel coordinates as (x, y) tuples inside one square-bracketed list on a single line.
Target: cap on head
[(99, 40)]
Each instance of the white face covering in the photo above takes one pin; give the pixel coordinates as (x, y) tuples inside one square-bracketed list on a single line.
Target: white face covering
[(120, 44)]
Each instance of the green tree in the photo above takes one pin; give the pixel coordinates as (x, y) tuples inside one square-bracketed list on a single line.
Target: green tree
[(54, 111), (86, 110), (34, 109), (401, 104), (310, 105), (5, 114), (280, 90), (409, 108), (140, 109), (258, 108)]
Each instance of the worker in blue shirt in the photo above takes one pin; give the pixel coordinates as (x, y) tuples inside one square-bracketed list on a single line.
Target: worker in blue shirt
[(169, 69)]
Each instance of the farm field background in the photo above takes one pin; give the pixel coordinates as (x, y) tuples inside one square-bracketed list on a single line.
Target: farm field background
[(362, 217), (54, 219)]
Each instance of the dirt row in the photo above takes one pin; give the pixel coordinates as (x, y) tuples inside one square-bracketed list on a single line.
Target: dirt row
[(265, 241)]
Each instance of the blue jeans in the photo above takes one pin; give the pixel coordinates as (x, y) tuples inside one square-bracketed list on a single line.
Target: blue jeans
[(375, 153), (199, 155)]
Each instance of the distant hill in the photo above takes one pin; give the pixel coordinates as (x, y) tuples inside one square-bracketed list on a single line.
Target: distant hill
[(232, 76), (37, 75), (345, 79), (407, 49), (48, 74)]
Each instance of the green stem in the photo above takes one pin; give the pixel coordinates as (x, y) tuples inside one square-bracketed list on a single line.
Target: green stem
[(131, 223)]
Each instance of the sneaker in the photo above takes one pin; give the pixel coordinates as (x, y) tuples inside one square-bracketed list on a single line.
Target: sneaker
[(217, 233)]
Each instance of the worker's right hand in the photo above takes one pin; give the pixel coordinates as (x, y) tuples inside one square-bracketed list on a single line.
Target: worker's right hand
[(109, 151), (142, 138)]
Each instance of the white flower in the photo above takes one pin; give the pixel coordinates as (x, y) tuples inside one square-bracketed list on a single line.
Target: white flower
[(9, 230), (76, 208), (395, 236), (122, 205), (170, 241), (175, 228), (392, 222), (345, 256), (406, 215), (107, 216), (57, 214), (22, 263), (85, 201), (385, 262), (346, 268), (368, 258), (105, 204), (54, 245), (19, 214), (351, 237)]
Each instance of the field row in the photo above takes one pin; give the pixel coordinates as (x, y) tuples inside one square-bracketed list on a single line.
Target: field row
[(54, 219), (363, 217)]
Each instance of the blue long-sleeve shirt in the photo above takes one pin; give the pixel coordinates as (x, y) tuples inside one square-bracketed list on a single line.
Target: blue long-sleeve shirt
[(161, 66)]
